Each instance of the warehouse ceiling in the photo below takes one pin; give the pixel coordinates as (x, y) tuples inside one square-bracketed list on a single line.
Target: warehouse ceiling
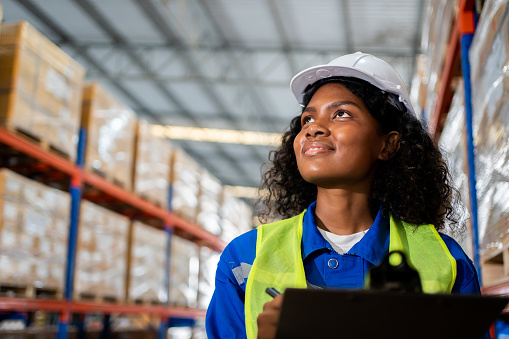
[(222, 64)]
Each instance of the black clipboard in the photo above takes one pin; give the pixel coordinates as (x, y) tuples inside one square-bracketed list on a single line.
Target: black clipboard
[(363, 314)]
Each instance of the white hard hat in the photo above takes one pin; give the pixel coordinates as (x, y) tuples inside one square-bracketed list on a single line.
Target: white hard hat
[(357, 65)]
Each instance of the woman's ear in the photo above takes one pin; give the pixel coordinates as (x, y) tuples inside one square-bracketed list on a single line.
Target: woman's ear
[(391, 145)]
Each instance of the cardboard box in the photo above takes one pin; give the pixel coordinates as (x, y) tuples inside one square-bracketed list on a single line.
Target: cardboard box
[(40, 88)]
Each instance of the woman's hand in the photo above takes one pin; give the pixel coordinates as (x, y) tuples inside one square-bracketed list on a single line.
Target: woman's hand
[(269, 318)]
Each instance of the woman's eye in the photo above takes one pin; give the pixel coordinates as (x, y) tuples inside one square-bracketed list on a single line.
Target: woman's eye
[(307, 120), (342, 114)]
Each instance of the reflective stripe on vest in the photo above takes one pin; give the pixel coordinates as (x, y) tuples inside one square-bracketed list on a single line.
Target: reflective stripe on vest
[(278, 262)]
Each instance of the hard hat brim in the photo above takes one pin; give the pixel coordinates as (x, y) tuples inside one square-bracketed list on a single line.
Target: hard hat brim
[(309, 76)]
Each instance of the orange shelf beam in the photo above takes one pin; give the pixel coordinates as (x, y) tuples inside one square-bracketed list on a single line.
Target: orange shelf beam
[(123, 195), (171, 312), (200, 233), (497, 289), (30, 305), (35, 151), (26, 305), (445, 95)]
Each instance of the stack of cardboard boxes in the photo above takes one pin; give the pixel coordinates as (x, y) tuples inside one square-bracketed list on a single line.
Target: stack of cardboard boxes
[(34, 228), (183, 273), (489, 57), (101, 261), (152, 166), (185, 181), (438, 22), (147, 264), (42, 96), (111, 128), (40, 88)]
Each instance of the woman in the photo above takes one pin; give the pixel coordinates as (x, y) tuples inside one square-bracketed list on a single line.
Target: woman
[(356, 173)]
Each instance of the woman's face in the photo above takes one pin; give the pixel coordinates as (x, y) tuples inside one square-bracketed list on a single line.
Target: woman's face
[(339, 143)]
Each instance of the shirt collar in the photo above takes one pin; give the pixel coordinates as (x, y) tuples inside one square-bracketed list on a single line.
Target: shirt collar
[(372, 247)]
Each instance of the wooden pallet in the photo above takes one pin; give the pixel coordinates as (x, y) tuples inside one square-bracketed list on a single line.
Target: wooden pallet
[(146, 302), (28, 291), (152, 200), (41, 141), (108, 177), (495, 266), (97, 298)]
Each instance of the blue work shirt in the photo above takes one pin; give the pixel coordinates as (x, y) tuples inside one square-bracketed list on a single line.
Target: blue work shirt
[(225, 314)]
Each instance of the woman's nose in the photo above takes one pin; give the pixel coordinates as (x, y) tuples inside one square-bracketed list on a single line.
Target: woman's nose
[(316, 129)]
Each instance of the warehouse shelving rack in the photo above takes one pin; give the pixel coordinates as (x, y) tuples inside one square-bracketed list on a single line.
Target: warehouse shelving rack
[(457, 58), (51, 168)]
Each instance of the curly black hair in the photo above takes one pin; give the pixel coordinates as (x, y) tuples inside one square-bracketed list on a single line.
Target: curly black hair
[(414, 185)]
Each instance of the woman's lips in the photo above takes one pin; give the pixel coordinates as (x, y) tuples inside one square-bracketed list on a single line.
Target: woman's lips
[(317, 148)]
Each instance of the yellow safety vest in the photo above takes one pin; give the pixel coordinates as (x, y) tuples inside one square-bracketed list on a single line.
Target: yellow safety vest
[(278, 262)]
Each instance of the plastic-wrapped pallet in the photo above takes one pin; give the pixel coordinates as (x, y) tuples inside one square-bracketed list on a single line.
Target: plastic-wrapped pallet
[(195, 332), (184, 266), (180, 333), (489, 57), (185, 181), (40, 88), (453, 142), (147, 263), (152, 166), (419, 85), (111, 129), (207, 275), (101, 260), (34, 224), (237, 217), (211, 192), (438, 21)]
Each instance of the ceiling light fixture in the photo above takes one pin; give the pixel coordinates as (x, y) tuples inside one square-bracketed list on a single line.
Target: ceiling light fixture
[(244, 192), (216, 135)]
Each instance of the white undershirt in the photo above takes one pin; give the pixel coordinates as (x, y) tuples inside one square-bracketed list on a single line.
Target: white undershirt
[(342, 243)]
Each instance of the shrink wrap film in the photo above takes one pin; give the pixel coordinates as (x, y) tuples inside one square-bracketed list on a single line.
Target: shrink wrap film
[(152, 166), (34, 226), (490, 103), (184, 269), (454, 144), (419, 85), (185, 181), (489, 56), (211, 192), (180, 333), (40, 88), (111, 128), (101, 260), (147, 264), (195, 332), (207, 275), (236, 217), (438, 21)]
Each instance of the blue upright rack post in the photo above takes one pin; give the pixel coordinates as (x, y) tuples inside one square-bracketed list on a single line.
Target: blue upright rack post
[(163, 328), (467, 17), (75, 191)]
